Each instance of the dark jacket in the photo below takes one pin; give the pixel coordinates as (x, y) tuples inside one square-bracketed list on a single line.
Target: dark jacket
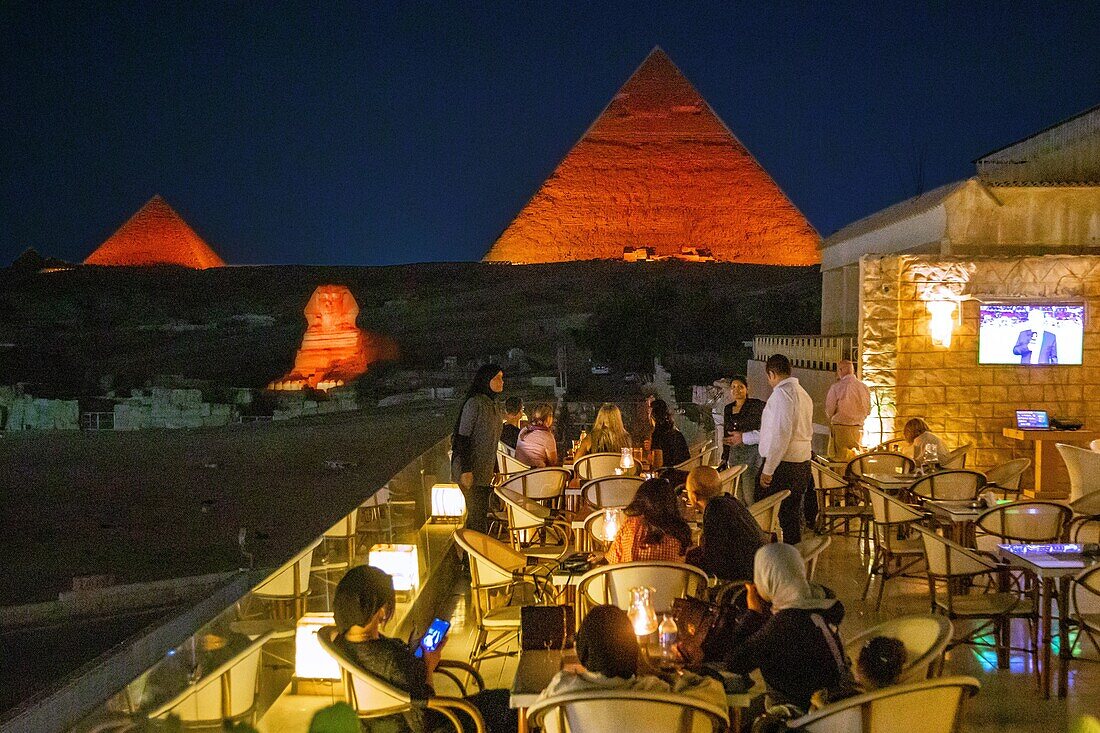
[(671, 443), (730, 539), (747, 420), (796, 653), (474, 443), (509, 435)]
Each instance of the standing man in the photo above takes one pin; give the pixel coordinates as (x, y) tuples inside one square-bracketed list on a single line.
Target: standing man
[(786, 429), (848, 404)]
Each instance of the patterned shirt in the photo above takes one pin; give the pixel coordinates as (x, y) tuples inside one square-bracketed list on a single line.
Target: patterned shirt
[(628, 547)]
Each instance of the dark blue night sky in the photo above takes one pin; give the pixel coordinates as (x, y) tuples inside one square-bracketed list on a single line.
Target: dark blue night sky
[(375, 133)]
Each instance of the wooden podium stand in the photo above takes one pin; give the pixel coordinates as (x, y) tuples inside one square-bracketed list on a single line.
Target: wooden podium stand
[(1051, 478)]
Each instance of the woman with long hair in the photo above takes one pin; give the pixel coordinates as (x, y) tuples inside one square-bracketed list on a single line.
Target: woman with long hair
[(608, 433), (536, 445), (474, 443), (653, 528)]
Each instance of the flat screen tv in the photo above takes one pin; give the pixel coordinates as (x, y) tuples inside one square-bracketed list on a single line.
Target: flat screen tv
[(1038, 334)]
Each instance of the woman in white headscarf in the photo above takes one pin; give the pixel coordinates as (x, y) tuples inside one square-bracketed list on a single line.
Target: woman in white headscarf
[(790, 631)]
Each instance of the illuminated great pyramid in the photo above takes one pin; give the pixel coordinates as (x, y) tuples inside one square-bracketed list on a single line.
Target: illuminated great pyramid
[(155, 235), (658, 169)]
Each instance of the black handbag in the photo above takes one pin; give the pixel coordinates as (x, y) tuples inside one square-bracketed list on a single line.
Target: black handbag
[(546, 627)]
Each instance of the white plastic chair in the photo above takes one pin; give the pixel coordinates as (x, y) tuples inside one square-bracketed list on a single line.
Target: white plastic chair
[(290, 583), (766, 513), (1083, 467), (611, 491), (611, 711), (693, 462), (596, 465), (611, 584), (227, 693), (925, 638), (373, 698), (930, 706)]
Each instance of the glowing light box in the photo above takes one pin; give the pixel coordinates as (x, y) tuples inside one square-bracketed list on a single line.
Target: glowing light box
[(399, 561)]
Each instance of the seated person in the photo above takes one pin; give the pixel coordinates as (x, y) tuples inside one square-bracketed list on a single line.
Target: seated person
[(880, 663), (537, 446), (653, 528), (609, 656), (666, 438), (513, 415), (608, 433), (730, 536), (362, 603), (917, 433), (789, 632)]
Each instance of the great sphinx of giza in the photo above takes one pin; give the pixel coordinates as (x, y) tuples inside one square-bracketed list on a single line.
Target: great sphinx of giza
[(334, 350)]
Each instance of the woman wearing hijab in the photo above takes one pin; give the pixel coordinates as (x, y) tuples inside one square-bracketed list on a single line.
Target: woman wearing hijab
[(730, 536), (790, 630), (474, 443)]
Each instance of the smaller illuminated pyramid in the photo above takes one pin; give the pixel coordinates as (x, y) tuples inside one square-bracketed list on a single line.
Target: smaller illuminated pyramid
[(155, 235)]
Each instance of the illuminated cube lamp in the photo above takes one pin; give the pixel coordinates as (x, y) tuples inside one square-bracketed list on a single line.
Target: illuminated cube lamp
[(311, 661), (400, 562), (448, 503)]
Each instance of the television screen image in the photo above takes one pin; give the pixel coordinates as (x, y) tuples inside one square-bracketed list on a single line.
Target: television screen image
[(1031, 333)]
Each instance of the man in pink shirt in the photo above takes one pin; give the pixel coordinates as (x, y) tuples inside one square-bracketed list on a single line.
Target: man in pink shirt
[(847, 405)]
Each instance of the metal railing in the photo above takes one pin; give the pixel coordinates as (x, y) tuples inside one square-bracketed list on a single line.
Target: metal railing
[(97, 421), (808, 352)]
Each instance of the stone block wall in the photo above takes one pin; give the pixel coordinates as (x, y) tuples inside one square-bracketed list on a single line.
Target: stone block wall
[(962, 401)]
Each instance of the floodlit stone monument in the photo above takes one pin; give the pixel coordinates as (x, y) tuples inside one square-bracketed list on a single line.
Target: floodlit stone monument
[(155, 235), (659, 175), (334, 349)]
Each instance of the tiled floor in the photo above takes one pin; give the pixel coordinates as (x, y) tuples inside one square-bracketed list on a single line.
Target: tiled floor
[(1009, 701)]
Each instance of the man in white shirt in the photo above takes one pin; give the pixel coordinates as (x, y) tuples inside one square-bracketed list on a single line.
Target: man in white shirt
[(847, 404), (786, 430)]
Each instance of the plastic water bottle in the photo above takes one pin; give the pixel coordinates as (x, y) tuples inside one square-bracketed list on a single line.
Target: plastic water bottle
[(666, 634)]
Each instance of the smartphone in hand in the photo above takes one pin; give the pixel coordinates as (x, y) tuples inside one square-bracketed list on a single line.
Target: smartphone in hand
[(433, 637)]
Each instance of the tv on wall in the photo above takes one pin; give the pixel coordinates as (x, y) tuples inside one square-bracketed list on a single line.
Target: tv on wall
[(1031, 333)]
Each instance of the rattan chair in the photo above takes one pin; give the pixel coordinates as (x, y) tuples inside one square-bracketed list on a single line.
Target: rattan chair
[(1006, 476), (1085, 602), (929, 706), (894, 445), (956, 458), (500, 583), (373, 697), (532, 527), (950, 485), (839, 503), (730, 481), (993, 603), (610, 491), (766, 513), (228, 693), (925, 638), (887, 462), (893, 543), (288, 586), (608, 711), (811, 548), (611, 584), (597, 465)]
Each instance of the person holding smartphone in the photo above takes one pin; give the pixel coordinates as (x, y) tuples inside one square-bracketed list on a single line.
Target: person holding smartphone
[(362, 604)]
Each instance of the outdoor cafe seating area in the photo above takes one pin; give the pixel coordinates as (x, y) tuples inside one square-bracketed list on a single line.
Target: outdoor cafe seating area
[(995, 596)]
